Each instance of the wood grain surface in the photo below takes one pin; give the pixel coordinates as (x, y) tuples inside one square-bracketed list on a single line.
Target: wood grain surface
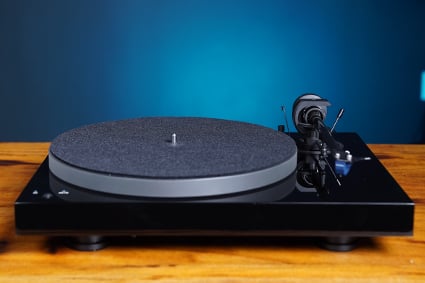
[(39, 259)]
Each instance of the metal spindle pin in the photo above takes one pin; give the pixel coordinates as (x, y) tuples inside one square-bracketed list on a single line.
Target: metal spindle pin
[(174, 139)]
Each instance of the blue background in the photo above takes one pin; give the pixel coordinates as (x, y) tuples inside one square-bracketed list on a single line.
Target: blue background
[(68, 63)]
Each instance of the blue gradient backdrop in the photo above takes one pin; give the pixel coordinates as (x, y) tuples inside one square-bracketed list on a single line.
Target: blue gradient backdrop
[(68, 63)]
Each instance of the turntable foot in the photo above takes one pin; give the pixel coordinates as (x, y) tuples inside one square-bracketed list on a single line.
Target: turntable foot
[(339, 244), (86, 243)]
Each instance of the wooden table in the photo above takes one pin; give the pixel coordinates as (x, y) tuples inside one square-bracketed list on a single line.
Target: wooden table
[(36, 259)]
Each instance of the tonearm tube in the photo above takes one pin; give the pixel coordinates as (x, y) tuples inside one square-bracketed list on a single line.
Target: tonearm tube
[(317, 142)]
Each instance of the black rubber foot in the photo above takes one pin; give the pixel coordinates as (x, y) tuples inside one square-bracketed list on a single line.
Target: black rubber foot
[(339, 244), (86, 243)]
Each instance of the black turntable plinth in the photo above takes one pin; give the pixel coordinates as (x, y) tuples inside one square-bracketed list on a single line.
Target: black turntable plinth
[(206, 177)]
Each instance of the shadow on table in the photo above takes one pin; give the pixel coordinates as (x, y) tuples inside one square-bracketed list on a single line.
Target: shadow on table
[(272, 243)]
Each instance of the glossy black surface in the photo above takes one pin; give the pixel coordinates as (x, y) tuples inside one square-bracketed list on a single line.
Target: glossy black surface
[(368, 203)]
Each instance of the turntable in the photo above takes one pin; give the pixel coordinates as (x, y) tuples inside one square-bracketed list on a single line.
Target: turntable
[(189, 176)]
